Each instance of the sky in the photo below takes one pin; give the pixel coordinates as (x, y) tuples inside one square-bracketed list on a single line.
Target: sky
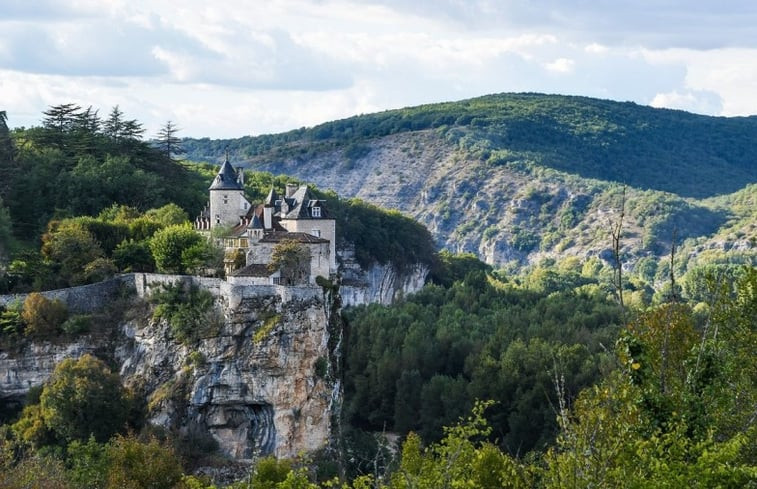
[(230, 68)]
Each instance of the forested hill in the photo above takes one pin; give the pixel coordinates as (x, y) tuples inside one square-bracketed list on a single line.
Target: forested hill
[(519, 178), (686, 154)]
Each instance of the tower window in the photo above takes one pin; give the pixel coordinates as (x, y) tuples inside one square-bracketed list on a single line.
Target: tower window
[(225, 199), (316, 212)]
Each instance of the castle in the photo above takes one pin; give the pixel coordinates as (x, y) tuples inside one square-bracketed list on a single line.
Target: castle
[(252, 233)]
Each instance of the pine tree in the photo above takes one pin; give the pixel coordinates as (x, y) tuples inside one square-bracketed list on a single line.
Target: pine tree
[(167, 142)]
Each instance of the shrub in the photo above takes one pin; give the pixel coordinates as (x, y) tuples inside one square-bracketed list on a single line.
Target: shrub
[(42, 316), (77, 324), (190, 311), (84, 398)]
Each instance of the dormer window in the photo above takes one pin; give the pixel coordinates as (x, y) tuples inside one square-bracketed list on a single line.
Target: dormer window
[(316, 212), (277, 203)]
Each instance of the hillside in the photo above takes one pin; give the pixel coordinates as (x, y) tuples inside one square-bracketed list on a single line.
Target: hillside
[(518, 178)]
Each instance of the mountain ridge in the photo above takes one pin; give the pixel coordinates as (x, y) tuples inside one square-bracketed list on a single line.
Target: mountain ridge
[(513, 205)]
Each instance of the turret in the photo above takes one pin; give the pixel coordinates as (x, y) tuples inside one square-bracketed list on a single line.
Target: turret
[(227, 202)]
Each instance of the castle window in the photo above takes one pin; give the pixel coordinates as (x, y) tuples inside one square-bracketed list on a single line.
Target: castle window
[(316, 212), (316, 232), (225, 199)]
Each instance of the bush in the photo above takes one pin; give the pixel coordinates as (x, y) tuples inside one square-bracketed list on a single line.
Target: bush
[(42, 316), (82, 399), (133, 464), (77, 324), (189, 311)]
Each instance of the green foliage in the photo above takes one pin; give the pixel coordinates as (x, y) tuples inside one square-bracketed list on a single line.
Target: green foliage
[(292, 260), (265, 329), (82, 399), (691, 155), (76, 165), (135, 465), (679, 412), (88, 463), (460, 459), (77, 324), (70, 247), (11, 322), (270, 472), (134, 256), (43, 317), (420, 364), (189, 310), (168, 215), (168, 244), (450, 267), (379, 235)]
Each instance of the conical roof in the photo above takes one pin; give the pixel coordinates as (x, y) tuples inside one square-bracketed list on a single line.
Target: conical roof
[(226, 179)]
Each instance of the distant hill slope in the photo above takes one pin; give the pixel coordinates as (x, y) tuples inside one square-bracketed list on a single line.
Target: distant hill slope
[(674, 151), (519, 178)]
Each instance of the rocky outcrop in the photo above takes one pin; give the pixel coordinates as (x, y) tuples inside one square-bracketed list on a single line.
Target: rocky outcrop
[(258, 382), (20, 371), (379, 284), (253, 386)]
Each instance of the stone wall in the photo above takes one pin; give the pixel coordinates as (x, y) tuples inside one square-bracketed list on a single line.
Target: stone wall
[(82, 299)]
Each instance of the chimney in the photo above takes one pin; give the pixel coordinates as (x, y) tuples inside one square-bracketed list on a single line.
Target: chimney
[(291, 189), (267, 211)]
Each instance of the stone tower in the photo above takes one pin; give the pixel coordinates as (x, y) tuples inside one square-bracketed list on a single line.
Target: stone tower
[(227, 203)]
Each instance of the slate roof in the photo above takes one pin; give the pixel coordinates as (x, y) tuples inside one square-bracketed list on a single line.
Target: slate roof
[(226, 179), (300, 205), (279, 236)]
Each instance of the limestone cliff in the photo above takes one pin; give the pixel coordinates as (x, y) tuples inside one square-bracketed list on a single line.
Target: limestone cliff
[(253, 386), (264, 379), (260, 383)]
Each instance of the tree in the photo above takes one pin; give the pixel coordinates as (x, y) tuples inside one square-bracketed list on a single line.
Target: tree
[(82, 399), (167, 142), (6, 237), (42, 316), (134, 256), (71, 247), (168, 244), (137, 465), (7, 154), (120, 130), (168, 215), (292, 260)]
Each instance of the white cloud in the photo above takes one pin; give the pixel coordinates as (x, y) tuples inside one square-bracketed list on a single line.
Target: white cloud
[(560, 65), (699, 102), (237, 67)]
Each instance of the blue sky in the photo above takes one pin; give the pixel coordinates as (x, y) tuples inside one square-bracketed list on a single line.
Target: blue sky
[(239, 67)]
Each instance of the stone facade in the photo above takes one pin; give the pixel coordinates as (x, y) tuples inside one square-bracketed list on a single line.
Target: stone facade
[(254, 231)]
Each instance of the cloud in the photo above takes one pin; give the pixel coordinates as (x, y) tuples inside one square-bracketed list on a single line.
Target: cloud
[(700, 102), (560, 65), (673, 23)]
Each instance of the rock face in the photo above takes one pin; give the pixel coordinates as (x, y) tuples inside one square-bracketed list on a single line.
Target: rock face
[(258, 383), (380, 284), (262, 380), (253, 386)]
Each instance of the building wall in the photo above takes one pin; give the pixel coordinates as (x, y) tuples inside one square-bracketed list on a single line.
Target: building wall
[(320, 257), (228, 206), (327, 227)]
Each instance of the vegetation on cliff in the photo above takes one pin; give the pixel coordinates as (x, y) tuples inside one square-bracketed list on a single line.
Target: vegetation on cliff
[(672, 405)]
